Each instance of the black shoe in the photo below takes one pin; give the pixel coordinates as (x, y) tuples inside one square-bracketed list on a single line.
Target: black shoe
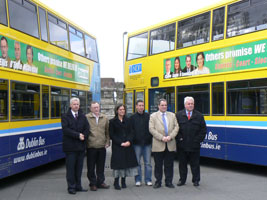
[(180, 183), (196, 183), (156, 185), (116, 184), (117, 187), (123, 183), (81, 190), (72, 191), (169, 185)]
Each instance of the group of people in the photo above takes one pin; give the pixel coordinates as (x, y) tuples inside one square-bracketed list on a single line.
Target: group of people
[(189, 69), (17, 64), (161, 133)]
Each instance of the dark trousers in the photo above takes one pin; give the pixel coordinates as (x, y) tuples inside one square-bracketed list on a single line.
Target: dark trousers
[(74, 166), (165, 158), (192, 158), (96, 165)]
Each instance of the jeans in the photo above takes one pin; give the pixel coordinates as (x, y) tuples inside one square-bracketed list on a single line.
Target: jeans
[(144, 151)]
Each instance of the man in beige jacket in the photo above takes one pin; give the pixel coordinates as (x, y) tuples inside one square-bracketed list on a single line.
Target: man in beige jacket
[(164, 127), (98, 141)]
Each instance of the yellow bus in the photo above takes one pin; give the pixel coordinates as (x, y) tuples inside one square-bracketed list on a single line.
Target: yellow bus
[(45, 59), (217, 55)]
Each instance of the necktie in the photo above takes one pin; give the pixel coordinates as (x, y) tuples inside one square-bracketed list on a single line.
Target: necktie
[(76, 116), (188, 115), (165, 124)]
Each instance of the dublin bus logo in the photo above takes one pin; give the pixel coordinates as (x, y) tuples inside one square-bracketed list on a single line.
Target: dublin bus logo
[(21, 144)]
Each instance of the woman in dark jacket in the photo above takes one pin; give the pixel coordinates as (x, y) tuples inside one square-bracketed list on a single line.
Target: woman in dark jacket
[(123, 158)]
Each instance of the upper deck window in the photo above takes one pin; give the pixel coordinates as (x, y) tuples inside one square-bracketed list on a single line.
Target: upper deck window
[(3, 18), (58, 32), (91, 48), (42, 17), (193, 31), (218, 24), (246, 16), (162, 39), (23, 16), (137, 46), (76, 41)]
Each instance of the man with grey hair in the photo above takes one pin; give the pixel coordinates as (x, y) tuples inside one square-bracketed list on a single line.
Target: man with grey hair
[(75, 130), (191, 133)]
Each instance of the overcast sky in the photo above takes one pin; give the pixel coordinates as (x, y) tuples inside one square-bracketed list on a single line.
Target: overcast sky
[(107, 20)]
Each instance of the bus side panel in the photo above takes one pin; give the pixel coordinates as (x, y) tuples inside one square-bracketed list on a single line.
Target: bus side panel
[(31, 150), (213, 145), (247, 145), (4, 161)]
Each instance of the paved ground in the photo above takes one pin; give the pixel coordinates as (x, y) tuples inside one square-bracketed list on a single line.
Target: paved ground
[(220, 181)]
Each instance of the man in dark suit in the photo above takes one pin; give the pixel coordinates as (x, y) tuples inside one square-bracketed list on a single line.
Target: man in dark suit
[(168, 73), (188, 67), (191, 133), (75, 129)]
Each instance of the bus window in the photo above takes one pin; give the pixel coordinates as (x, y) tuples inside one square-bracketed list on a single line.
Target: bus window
[(218, 24), (137, 46), (200, 93), (242, 19), (23, 17), (162, 39), (217, 98), (161, 93), (193, 31), (3, 18), (60, 101), (43, 27), (45, 99), (91, 48), (139, 96), (58, 32), (3, 99), (82, 96), (247, 97), (129, 103), (25, 101), (76, 41)]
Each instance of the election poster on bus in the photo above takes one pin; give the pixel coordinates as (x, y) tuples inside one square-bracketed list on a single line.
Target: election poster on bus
[(24, 57), (234, 58)]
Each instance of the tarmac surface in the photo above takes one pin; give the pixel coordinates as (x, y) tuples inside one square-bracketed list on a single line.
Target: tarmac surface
[(220, 180)]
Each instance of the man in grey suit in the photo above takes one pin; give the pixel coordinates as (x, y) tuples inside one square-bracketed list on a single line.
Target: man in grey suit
[(164, 127)]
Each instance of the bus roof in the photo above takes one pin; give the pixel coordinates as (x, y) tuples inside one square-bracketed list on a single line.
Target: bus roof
[(184, 16), (61, 17)]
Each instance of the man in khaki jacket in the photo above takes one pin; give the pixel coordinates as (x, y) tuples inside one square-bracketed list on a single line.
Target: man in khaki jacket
[(97, 143), (164, 127)]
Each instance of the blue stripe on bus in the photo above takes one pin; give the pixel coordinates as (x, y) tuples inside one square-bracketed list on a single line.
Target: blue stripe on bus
[(31, 128), (238, 123)]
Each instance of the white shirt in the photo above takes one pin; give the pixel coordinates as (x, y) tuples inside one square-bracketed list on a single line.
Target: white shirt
[(96, 118), (73, 113)]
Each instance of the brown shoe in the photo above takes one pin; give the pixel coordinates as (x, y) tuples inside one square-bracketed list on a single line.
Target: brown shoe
[(103, 186), (93, 188)]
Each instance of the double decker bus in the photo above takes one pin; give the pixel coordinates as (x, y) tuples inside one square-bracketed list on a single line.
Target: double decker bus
[(45, 60), (218, 56)]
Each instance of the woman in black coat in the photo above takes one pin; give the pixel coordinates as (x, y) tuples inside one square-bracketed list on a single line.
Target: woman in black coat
[(123, 158)]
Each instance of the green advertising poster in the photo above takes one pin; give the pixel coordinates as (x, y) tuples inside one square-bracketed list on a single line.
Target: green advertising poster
[(23, 57), (239, 57)]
